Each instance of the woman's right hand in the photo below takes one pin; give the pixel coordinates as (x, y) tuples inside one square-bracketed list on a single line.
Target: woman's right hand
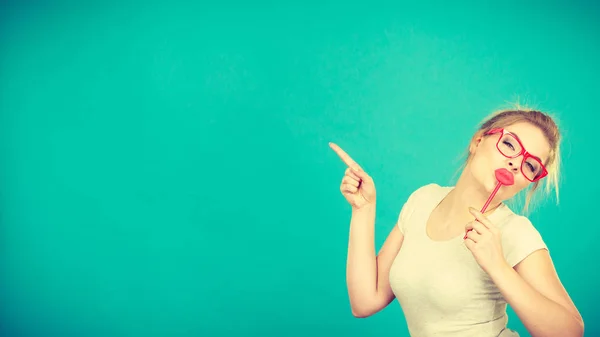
[(357, 186)]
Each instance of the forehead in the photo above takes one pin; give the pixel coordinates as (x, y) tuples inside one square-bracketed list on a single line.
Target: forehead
[(532, 138)]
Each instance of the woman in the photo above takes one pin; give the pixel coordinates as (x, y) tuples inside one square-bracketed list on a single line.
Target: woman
[(449, 284)]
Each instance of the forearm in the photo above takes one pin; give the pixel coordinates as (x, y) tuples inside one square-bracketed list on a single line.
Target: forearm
[(361, 266), (540, 315)]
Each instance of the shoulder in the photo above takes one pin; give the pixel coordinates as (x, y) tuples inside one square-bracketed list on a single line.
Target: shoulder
[(424, 194), (520, 238), (515, 224), (430, 190), (421, 197)]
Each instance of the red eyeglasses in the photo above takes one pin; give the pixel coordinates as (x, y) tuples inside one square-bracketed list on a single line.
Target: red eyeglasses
[(510, 146)]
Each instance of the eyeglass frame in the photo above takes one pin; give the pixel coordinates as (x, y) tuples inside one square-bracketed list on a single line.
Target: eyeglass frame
[(523, 152)]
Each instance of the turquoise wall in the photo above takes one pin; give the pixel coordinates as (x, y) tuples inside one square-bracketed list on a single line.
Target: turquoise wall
[(166, 170)]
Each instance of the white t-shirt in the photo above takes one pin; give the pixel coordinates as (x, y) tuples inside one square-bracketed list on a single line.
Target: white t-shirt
[(441, 289)]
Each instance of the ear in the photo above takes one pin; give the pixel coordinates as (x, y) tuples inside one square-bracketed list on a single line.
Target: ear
[(475, 141)]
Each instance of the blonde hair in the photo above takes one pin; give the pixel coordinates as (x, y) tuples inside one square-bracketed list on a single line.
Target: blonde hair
[(547, 124)]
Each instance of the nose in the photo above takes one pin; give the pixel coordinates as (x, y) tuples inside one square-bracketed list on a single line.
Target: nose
[(513, 166)]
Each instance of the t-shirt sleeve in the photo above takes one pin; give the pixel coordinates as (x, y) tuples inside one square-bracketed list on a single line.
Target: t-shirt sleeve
[(409, 206), (519, 239)]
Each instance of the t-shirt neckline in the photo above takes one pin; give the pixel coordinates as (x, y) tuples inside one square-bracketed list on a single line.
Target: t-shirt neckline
[(495, 214)]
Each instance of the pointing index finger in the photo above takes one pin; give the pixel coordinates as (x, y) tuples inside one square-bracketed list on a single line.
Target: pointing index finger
[(345, 157)]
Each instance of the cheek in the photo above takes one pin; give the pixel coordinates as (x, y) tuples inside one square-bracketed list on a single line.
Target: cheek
[(518, 186), (488, 158), (521, 183), (477, 165)]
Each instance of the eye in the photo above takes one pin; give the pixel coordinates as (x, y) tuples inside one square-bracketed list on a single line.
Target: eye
[(509, 144), (531, 167)]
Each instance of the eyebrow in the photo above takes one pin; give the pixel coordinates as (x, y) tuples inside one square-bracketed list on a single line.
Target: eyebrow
[(519, 139)]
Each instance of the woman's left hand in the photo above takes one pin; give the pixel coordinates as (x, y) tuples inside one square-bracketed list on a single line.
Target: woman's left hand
[(484, 241)]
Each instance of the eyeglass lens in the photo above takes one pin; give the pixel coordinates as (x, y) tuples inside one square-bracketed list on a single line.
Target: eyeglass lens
[(510, 147)]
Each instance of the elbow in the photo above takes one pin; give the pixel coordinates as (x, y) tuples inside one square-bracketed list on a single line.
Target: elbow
[(575, 330), (580, 328), (365, 306), (359, 312)]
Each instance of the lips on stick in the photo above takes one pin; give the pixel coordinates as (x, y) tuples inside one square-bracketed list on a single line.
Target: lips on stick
[(505, 178)]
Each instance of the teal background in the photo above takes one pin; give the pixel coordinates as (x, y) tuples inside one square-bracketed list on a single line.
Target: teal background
[(165, 168)]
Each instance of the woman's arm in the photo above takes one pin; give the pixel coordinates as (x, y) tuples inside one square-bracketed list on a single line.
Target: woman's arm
[(537, 296), (367, 274)]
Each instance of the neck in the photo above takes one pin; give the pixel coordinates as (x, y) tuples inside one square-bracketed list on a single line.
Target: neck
[(468, 193)]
